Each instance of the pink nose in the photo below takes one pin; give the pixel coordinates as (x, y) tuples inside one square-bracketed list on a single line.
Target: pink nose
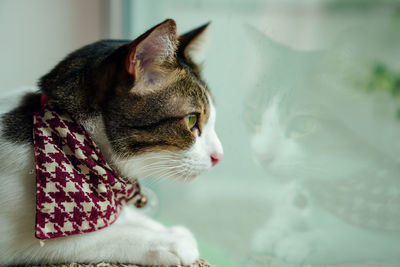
[(215, 158)]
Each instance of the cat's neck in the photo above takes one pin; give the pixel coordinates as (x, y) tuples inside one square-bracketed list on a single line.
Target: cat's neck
[(94, 126)]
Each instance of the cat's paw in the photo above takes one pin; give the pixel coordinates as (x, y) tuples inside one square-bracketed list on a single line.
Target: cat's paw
[(186, 248), (176, 246)]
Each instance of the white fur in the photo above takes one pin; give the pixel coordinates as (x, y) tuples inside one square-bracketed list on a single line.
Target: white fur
[(134, 238)]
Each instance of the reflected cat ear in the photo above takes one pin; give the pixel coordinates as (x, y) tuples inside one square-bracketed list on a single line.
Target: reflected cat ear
[(193, 43), (267, 49), (150, 50)]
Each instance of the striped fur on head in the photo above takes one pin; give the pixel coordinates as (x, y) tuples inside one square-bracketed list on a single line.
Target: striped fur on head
[(143, 90)]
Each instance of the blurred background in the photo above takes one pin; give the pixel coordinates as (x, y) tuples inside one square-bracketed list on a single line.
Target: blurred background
[(307, 96)]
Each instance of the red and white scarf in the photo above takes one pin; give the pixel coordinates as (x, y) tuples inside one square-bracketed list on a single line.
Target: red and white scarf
[(76, 190)]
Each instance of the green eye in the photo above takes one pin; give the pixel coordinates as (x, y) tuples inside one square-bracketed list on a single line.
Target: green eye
[(302, 125), (191, 120)]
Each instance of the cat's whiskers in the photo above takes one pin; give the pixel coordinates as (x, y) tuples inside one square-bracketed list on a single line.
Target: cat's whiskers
[(167, 161), (189, 174), (155, 171), (165, 164), (154, 164), (159, 168), (162, 173), (149, 157)]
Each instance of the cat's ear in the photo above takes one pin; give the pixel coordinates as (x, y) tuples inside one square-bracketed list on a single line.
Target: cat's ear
[(153, 48), (193, 43)]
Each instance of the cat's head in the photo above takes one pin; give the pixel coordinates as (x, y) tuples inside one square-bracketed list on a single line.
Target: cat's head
[(311, 118), (158, 113)]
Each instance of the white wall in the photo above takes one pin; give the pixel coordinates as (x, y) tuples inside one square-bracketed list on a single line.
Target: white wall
[(35, 35)]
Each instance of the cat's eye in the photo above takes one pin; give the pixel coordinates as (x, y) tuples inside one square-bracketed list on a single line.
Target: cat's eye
[(300, 126), (191, 120)]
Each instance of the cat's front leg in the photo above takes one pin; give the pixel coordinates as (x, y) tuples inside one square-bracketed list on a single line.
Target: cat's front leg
[(134, 238), (176, 240)]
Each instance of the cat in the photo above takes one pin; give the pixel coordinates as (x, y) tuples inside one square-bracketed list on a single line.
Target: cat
[(146, 106), (329, 147)]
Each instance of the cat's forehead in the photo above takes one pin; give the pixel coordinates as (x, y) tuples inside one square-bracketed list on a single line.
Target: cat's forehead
[(185, 91), (190, 89), (179, 94)]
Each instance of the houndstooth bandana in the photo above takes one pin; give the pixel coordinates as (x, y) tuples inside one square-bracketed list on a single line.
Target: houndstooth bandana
[(76, 190)]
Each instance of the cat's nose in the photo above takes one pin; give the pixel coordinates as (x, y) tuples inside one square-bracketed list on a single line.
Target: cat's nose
[(265, 158), (215, 158)]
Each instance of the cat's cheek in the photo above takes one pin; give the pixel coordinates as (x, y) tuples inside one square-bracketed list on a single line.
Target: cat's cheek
[(204, 150)]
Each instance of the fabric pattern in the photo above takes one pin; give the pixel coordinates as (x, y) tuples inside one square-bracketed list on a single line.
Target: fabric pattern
[(77, 191)]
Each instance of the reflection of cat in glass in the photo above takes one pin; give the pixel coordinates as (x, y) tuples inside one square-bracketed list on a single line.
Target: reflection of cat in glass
[(334, 147)]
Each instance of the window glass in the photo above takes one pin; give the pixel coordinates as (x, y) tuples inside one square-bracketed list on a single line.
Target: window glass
[(308, 111)]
